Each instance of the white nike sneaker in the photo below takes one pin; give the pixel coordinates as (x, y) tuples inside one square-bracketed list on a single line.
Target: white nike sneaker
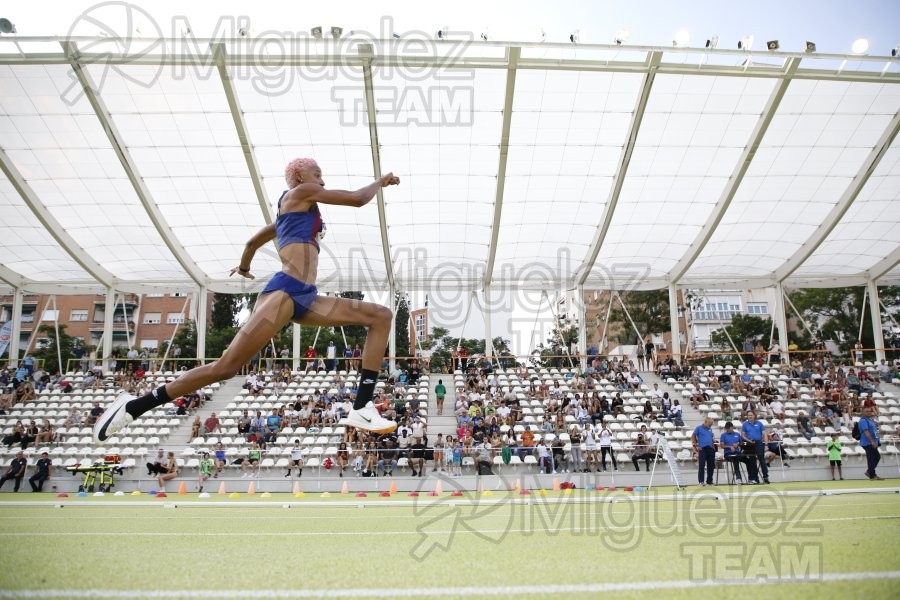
[(114, 419), (368, 418)]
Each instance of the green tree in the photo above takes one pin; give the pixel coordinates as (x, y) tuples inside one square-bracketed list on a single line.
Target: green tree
[(46, 350), (648, 309), (741, 328), (224, 311), (401, 325), (186, 339), (837, 311)]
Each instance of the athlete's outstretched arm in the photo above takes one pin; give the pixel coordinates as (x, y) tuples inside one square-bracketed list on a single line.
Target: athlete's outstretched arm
[(259, 239), (314, 192)]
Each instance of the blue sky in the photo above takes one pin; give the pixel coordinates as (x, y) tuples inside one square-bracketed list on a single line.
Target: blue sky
[(832, 24)]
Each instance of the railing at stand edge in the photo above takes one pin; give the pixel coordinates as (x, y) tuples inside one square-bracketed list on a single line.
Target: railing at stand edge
[(531, 361)]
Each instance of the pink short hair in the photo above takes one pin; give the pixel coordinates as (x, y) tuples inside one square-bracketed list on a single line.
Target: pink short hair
[(292, 170)]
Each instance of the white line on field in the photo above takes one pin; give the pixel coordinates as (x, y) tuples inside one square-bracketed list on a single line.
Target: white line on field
[(666, 527), (842, 503), (510, 591)]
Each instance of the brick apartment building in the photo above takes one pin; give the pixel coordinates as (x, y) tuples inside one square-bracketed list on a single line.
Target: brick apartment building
[(140, 320)]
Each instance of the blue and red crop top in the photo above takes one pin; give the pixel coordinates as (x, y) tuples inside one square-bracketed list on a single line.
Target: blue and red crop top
[(298, 227)]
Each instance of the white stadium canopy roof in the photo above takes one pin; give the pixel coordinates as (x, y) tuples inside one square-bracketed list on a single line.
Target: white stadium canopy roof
[(144, 165)]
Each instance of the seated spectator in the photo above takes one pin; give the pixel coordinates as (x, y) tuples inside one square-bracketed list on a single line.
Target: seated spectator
[(641, 452), (95, 413), (417, 457), (74, 419), (211, 425), (15, 471), (157, 465), (297, 459), (273, 426), (732, 446), (677, 419), (342, 458), (206, 468), (170, 472), (387, 458), (545, 460), (195, 427), (42, 470), (257, 426), (251, 462), (219, 451), (45, 434)]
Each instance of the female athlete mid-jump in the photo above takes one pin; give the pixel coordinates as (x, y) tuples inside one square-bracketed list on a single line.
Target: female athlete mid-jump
[(290, 295)]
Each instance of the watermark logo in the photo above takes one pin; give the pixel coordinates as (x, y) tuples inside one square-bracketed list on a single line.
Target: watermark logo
[(622, 523), (419, 85), (120, 28), (735, 561)]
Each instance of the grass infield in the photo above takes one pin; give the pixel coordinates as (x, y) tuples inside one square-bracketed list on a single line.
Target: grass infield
[(831, 543)]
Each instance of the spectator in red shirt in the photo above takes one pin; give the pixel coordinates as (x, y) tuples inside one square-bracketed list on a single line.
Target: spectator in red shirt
[(310, 355), (211, 425)]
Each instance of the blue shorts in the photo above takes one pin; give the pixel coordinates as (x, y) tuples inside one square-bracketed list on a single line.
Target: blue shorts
[(301, 293)]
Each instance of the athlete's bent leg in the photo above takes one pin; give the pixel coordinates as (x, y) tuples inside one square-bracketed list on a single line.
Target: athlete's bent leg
[(328, 311)]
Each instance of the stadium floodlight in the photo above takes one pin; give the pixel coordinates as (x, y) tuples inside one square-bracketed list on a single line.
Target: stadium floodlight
[(337, 32), (622, 36), (745, 43), (574, 36), (860, 46), (712, 42), (682, 39), (810, 47), (7, 26), (316, 32), (772, 45)]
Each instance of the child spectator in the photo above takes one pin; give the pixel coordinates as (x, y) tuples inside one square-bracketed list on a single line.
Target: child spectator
[(206, 466), (834, 455), (297, 460)]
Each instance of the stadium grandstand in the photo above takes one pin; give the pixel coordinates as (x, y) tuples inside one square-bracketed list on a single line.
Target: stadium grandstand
[(138, 167)]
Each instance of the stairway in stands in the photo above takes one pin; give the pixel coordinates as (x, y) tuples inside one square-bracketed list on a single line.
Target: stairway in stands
[(691, 416), (181, 437), (446, 423)]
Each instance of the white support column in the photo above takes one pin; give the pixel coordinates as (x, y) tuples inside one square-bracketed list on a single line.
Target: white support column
[(392, 341), (582, 327), (200, 310), (781, 322), (108, 312), (16, 333), (674, 325), (875, 310), (486, 313), (296, 352)]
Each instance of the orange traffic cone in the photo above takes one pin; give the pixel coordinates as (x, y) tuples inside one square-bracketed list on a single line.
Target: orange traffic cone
[(222, 489), (182, 489), (296, 487), (251, 489), (393, 489), (345, 488), (438, 488), (556, 484), (518, 485)]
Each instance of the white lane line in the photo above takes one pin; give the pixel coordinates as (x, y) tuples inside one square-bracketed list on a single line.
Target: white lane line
[(712, 511), (588, 526), (509, 591)]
